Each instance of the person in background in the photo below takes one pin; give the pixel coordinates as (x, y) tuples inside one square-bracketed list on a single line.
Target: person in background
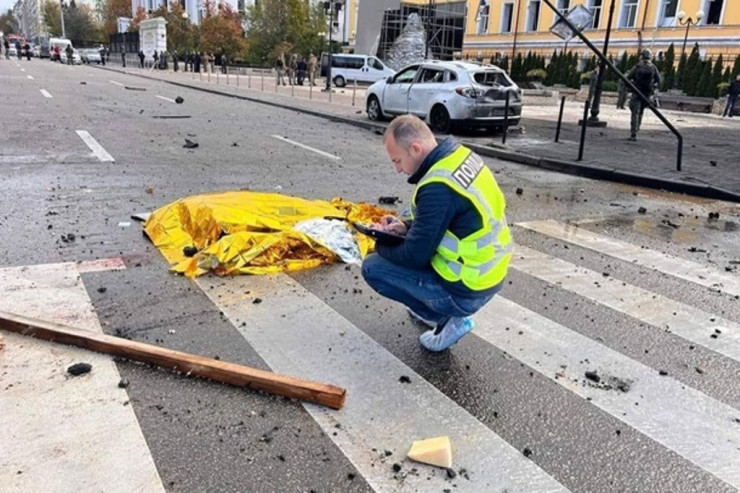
[(646, 78), (732, 94)]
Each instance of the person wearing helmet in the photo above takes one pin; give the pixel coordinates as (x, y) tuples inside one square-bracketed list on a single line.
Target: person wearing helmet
[(646, 78)]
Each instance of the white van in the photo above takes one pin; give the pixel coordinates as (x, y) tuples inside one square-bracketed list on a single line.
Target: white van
[(58, 42), (347, 68)]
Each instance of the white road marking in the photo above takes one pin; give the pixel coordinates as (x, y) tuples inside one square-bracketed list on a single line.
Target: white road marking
[(60, 424), (166, 99), (116, 83), (697, 427), (45, 93), (30, 77), (683, 320), (668, 264), (308, 148), (97, 149), (296, 333)]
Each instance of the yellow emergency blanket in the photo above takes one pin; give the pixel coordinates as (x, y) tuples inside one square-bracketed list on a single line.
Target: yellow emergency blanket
[(249, 232)]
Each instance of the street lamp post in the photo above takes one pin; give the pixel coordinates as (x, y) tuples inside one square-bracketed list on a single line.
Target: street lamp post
[(61, 11), (686, 21), (593, 120), (330, 8)]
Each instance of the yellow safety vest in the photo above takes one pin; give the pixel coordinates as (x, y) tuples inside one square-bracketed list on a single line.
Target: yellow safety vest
[(481, 259)]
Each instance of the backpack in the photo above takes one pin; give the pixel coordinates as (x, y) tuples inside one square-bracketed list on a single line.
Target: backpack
[(643, 77)]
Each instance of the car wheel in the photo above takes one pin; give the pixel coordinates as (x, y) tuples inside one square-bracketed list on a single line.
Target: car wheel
[(374, 111), (439, 119), (339, 81)]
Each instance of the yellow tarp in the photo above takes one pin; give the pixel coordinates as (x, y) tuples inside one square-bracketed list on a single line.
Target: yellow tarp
[(249, 232)]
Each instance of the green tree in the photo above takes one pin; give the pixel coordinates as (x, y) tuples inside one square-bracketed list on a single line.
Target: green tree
[(80, 25), (716, 78), (516, 68), (221, 31), (669, 70), (110, 11), (295, 22), (8, 23), (704, 85), (736, 67), (692, 72), (680, 73)]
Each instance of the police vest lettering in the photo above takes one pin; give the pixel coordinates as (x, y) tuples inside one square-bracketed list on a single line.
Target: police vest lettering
[(466, 173)]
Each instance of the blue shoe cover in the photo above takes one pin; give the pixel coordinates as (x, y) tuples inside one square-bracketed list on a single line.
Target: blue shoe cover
[(452, 332)]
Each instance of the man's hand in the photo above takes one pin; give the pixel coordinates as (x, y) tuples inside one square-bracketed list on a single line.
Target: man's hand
[(391, 224)]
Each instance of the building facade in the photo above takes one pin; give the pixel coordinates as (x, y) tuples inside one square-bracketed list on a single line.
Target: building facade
[(195, 9), (30, 16), (509, 27)]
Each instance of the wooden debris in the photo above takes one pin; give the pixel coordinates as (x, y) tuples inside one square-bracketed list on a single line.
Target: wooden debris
[(190, 364)]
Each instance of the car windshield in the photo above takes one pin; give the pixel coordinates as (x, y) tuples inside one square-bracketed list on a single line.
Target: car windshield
[(491, 78)]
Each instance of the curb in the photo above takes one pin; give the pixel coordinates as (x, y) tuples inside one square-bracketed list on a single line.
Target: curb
[(567, 167)]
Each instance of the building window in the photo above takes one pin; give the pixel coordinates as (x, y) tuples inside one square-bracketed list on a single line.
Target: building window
[(595, 7), (713, 9), (563, 6), (533, 15), (507, 14), (667, 13), (629, 13), (482, 18)]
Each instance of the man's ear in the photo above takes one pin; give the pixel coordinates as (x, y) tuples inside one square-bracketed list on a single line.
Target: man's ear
[(415, 149)]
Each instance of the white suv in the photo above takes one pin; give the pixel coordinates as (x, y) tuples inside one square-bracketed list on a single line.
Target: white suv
[(447, 94)]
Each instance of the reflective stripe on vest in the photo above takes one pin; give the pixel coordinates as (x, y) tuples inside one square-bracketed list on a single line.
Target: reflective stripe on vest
[(481, 259)]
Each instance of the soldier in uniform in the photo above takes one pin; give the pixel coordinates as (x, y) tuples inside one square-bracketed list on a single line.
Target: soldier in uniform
[(312, 65), (646, 78)]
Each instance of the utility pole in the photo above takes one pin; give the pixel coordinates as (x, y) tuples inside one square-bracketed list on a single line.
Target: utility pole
[(61, 11)]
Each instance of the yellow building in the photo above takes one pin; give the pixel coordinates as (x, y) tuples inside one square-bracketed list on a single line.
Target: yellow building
[(508, 27)]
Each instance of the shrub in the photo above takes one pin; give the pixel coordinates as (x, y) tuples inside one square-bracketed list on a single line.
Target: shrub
[(610, 86), (537, 74), (722, 88)]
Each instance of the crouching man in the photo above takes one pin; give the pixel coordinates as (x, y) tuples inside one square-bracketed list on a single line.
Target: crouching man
[(457, 243)]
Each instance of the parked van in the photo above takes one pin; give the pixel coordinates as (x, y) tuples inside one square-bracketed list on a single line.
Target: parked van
[(61, 43), (361, 68)]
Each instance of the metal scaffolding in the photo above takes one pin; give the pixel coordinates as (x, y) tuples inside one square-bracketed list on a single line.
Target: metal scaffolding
[(444, 23)]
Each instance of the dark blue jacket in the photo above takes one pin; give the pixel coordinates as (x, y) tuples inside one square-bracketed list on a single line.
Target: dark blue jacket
[(438, 208)]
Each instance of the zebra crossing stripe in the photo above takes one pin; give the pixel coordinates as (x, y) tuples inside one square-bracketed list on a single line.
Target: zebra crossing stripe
[(57, 429), (683, 320), (296, 333), (667, 264), (692, 424)]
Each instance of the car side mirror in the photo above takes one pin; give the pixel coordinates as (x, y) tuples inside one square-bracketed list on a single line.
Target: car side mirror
[(389, 80)]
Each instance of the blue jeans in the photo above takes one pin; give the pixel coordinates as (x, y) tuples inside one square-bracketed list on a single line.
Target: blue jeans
[(422, 291), (730, 108)]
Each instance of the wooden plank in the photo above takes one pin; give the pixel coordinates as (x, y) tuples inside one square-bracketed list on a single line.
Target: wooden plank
[(190, 364)]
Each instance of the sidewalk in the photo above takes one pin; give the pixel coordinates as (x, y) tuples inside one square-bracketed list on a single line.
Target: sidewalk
[(711, 151)]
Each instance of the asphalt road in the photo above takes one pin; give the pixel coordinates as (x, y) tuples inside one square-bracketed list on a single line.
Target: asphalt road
[(659, 325)]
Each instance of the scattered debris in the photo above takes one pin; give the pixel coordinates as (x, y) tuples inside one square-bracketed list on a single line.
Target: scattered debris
[(713, 215), (451, 473), (697, 250), (131, 88), (396, 467), (149, 189), (593, 376), (68, 238), (257, 301), (189, 144), (179, 100), (433, 451), (641, 210), (404, 379), (388, 200), (141, 216), (519, 191), (662, 373), (712, 163), (124, 224), (527, 451), (83, 83), (79, 369), (234, 144), (102, 289), (189, 251), (171, 117), (699, 370), (123, 383), (669, 223)]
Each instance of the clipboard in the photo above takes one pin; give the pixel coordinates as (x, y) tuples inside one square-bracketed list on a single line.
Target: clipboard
[(381, 236)]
